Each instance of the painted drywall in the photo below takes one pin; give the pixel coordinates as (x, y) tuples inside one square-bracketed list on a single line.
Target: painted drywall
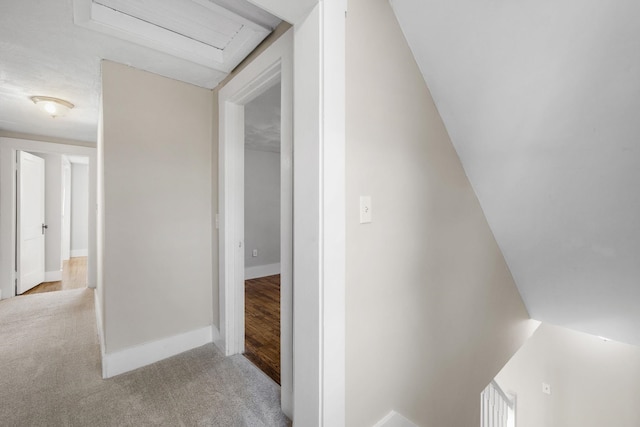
[(593, 382), (79, 209), (53, 215), (262, 207), (66, 208), (156, 159), (432, 312)]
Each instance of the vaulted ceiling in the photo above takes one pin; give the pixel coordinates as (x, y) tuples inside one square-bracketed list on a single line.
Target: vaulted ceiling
[(542, 103)]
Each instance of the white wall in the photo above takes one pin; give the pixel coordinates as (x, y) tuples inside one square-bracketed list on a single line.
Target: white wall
[(593, 382), (66, 208), (432, 310), (262, 207), (79, 209), (156, 158), (53, 215)]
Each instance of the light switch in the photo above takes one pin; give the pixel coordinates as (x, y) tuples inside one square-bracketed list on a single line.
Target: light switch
[(365, 209), (255, 253), (546, 388)]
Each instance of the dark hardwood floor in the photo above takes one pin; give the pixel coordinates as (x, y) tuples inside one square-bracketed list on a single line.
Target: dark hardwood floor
[(262, 324), (74, 276)]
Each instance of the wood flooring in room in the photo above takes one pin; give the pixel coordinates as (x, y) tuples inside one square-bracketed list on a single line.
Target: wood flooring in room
[(262, 324), (74, 276)]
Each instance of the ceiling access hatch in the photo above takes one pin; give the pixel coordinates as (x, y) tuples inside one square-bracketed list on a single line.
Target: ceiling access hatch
[(199, 31)]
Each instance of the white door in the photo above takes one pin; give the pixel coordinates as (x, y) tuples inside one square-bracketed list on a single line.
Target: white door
[(30, 222)]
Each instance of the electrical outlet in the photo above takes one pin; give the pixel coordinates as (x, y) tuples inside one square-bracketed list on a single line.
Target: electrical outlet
[(546, 388), (254, 253)]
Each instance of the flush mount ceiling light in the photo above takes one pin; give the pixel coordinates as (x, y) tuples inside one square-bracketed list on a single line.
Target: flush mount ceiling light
[(52, 106)]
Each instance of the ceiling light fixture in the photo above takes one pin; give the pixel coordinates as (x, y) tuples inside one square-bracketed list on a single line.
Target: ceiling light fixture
[(52, 106)]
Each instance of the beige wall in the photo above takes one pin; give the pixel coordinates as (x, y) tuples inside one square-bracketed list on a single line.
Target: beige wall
[(157, 260), (432, 309), (593, 383)]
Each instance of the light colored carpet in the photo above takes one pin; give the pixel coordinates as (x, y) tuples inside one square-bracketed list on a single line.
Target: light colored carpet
[(50, 375)]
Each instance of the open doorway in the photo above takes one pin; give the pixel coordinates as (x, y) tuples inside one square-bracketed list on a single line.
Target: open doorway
[(52, 222), (262, 231), (273, 68)]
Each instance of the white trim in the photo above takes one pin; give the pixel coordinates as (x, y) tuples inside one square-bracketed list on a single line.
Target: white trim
[(319, 216), (96, 17), (394, 419), (79, 252), (8, 148), (261, 271), (272, 65), (53, 276), (100, 328), (131, 358)]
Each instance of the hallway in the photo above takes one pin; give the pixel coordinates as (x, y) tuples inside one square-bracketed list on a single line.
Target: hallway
[(50, 374)]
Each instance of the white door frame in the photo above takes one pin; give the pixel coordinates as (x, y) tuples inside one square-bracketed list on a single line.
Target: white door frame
[(8, 149), (272, 66), (319, 207)]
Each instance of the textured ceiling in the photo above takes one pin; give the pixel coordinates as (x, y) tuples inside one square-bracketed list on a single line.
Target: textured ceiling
[(44, 53), (542, 102), (262, 121)]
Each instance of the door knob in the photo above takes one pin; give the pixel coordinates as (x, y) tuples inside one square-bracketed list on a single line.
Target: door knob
[(44, 227)]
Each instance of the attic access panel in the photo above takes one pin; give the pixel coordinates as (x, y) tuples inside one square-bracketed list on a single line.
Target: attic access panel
[(199, 31)]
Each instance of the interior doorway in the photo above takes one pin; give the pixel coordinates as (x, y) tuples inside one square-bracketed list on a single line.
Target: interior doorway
[(271, 68), (65, 222), (262, 195), (9, 251)]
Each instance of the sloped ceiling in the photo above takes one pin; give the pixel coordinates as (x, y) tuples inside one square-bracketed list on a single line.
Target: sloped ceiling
[(542, 102), (42, 52)]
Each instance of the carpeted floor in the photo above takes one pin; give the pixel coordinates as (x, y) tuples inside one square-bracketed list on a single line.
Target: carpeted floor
[(50, 375)]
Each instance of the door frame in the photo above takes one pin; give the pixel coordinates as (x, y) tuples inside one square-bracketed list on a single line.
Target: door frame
[(319, 333), (8, 149), (272, 66)]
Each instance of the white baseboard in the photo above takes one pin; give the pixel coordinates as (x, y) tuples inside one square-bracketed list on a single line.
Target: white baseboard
[(53, 276), (261, 271), (79, 252), (131, 358), (394, 419)]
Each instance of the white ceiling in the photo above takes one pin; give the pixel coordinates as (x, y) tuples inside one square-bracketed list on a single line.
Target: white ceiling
[(262, 121), (542, 102), (44, 53)]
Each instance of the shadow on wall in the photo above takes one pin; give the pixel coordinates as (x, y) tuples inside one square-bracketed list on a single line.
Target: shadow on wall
[(563, 378)]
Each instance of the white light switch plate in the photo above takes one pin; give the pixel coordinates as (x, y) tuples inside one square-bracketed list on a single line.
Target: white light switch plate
[(365, 209), (546, 388)]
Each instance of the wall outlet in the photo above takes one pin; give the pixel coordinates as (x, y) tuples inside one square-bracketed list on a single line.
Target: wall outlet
[(546, 388), (254, 253)]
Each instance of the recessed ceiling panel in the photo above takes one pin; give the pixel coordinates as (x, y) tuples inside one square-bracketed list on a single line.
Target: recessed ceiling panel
[(196, 30)]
